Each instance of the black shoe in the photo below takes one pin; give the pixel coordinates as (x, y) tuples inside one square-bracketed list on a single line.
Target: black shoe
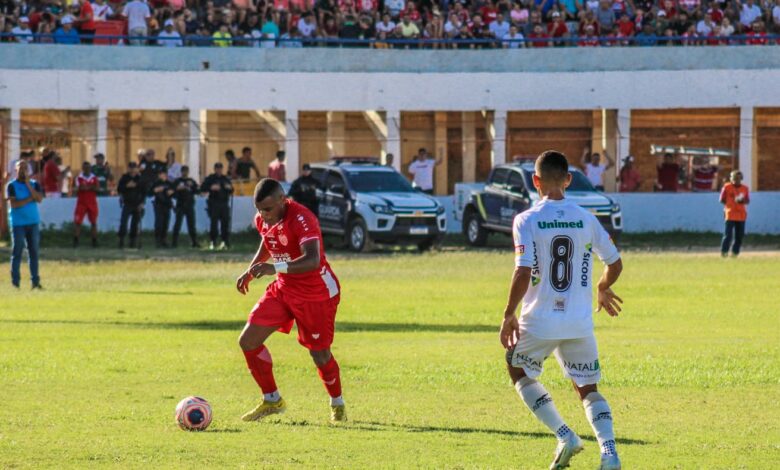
[(37, 286), (15, 284)]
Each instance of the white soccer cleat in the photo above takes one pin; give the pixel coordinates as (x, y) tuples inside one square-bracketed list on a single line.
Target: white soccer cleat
[(566, 450), (610, 462)]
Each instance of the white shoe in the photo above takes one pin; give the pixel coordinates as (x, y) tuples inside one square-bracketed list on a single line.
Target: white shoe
[(211, 246), (566, 450), (609, 462)]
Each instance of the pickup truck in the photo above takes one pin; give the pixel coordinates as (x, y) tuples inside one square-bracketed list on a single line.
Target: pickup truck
[(509, 191)]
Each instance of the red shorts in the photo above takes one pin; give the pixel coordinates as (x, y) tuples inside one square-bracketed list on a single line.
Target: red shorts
[(88, 209), (316, 320)]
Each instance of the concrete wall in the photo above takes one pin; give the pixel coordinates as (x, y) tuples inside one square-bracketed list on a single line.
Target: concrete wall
[(641, 213)]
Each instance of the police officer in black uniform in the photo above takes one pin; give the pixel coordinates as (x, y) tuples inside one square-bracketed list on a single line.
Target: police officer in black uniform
[(186, 189), (162, 197), (132, 198), (304, 190), (219, 190)]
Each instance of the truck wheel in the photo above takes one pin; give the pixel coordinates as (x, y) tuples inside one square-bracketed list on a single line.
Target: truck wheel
[(357, 235), (476, 235)]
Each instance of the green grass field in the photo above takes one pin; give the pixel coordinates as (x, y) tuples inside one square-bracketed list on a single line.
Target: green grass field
[(92, 368)]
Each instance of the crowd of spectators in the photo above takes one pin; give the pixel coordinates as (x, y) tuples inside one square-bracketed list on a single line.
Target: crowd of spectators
[(396, 23)]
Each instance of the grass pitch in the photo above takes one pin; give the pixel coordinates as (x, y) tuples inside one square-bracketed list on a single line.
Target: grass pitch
[(92, 368)]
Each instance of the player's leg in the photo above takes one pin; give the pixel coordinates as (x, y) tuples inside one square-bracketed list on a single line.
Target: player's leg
[(78, 219), (213, 227), (93, 216), (135, 221), (525, 363), (123, 225), (269, 315), (579, 360), (191, 229), (726, 242), (225, 225), (316, 327), (166, 222), (739, 233), (177, 220)]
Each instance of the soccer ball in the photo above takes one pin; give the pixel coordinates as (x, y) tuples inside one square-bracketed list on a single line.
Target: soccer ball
[(193, 414)]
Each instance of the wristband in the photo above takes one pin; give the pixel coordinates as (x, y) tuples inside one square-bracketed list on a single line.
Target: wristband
[(280, 267)]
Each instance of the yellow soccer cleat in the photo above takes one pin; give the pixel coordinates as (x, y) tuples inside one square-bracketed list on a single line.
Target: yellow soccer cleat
[(266, 408), (338, 413)]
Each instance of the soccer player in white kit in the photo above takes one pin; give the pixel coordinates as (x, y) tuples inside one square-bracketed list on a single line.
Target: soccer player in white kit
[(555, 241)]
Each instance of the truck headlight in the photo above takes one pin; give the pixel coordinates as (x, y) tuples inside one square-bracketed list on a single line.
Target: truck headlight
[(440, 210), (381, 209), (616, 208)]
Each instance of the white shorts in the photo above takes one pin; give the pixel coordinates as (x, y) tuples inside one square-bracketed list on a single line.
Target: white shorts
[(579, 357)]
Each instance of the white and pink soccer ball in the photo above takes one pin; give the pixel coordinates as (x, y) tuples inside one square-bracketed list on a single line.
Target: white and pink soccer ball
[(193, 414)]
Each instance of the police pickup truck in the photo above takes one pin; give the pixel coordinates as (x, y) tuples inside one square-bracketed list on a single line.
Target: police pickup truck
[(510, 190), (365, 203)]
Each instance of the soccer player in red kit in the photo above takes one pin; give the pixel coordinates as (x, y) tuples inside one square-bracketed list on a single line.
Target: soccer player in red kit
[(305, 291), (87, 186)]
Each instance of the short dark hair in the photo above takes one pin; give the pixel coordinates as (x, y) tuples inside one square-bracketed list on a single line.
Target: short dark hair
[(185, 168), (306, 166), (230, 153), (267, 187), (552, 166), (246, 149), (218, 165), (280, 154)]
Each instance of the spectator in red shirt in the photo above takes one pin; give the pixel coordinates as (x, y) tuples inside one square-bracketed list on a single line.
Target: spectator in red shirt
[(277, 168), (630, 179), (627, 28), (489, 12), (715, 12), (411, 12), (538, 37), (590, 39), (668, 175), (52, 177), (589, 19), (557, 29), (757, 35), (86, 22), (704, 175)]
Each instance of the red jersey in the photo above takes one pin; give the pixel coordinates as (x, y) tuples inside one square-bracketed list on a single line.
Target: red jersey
[(51, 177), (86, 196), (283, 241), (703, 178)]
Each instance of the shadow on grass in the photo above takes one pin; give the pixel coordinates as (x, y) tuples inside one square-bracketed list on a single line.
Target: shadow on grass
[(231, 325)]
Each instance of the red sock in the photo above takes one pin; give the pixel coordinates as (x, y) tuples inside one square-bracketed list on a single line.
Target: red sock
[(329, 373), (261, 366)]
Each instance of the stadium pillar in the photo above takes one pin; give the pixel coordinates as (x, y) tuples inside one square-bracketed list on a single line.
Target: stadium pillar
[(469, 147), (497, 135), (14, 136), (193, 143), (747, 147), (623, 136), (441, 182), (291, 145), (101, 131), (393, 142), (336, 133)]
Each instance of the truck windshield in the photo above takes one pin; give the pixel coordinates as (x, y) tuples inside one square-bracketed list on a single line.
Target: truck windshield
[(579, 182), (378, 182)]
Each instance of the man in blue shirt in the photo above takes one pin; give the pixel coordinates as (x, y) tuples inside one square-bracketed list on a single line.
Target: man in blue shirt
[(66, 34), (24, 195)]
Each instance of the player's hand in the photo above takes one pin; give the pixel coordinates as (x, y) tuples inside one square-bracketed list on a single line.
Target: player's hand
[(262, 269), (242, 283), (510, 331), (609, 302)]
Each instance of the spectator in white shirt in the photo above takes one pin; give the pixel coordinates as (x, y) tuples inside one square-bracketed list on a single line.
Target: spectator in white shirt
[(705, 26), (515, 36), (169, 37), (595, 169), (386, 25), (422, 171), (749, 12), (23, 33), (453, 26), (500, 27), (101, 11), (776, 15), (137, 13), (174, 167), (307, 27)]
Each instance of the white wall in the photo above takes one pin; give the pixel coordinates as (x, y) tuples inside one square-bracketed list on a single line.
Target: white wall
[(643, 212)]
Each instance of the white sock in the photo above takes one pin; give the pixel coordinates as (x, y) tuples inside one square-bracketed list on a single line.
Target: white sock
[(272, 397), (337, 401), (600, 418), (541, 405)]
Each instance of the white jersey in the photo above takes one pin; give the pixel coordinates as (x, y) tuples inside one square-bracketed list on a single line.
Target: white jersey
[(557, 239)]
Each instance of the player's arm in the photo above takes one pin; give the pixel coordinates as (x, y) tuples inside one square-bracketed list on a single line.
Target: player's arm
[(606, 298), (308, 261), (242, 283), (517, 289)]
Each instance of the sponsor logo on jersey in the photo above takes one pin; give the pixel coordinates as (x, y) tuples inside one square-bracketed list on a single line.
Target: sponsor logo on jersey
[(521, 358), (559, 305), (582, 366), (585, 269), (560, 224), (535, 279), (520, 249), (283, 239), (602, 416)]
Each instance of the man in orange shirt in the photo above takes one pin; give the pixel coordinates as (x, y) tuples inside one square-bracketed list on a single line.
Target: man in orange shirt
[(735, 197)]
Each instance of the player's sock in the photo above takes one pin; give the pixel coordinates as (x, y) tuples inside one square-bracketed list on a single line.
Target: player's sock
[(600, 418), (261, 366), (337, 401), (541, 405), (329, 373)]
